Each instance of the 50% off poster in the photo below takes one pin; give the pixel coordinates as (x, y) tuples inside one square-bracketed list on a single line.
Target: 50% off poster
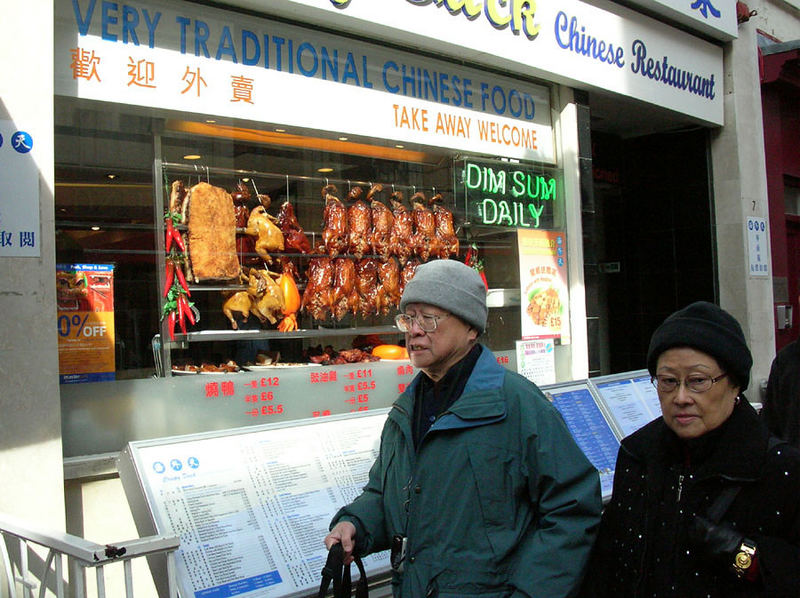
[(85, 299)]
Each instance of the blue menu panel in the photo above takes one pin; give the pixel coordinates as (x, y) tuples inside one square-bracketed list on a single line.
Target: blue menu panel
[(632, 402), (589, 429)]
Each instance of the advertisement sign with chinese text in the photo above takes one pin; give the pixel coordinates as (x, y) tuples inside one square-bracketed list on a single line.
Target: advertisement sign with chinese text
[(544, 296), (85, 299)]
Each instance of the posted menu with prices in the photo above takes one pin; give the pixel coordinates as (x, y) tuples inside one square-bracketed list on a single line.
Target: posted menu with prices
[(632, 402), (252, 508), (589, 428), (269, 394)]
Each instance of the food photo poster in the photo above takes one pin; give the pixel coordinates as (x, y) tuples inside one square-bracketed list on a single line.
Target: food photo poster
[(544, 299)]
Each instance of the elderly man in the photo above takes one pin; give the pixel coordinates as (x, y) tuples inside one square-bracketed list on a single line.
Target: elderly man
[(479, 488)]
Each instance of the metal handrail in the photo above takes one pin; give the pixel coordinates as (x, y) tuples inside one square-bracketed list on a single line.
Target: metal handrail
[(83, 553)]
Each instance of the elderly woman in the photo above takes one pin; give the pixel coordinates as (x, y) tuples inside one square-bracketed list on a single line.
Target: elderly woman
[(704, 502)]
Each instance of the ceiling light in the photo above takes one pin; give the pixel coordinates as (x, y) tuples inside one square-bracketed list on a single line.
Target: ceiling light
[(211, 121), (245, 180), (342, 138), (111, 176), (95, 228), (398, 146), (192, 157), (325, 169), (280, 130)]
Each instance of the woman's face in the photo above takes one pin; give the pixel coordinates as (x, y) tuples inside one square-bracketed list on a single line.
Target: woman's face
[(436, 352), (691, 414)]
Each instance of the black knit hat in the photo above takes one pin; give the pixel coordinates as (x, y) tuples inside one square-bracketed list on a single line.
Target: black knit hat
[(707, 328)]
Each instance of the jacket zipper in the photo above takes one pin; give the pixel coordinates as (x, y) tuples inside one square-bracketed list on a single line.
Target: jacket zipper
[(680, 486)]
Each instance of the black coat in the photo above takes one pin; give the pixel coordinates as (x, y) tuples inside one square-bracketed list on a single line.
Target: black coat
[(782, 404), (661, 483)]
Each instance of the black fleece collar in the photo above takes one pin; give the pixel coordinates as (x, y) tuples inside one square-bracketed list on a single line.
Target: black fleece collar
[(738, 453)]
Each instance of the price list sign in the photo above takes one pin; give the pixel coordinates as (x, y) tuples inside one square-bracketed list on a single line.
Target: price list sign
[(252, 507), (283, 394), (589, 429)]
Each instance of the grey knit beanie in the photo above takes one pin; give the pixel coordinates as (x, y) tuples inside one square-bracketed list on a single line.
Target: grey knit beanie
[(452, 286), (707, 328)]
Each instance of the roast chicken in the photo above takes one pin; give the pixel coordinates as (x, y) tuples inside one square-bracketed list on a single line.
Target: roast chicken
[(263, 298), (294, 237), (269, 237), (334, 225), (445, 232), (266, 295), (382, 222), (359, 224), (402, 229)]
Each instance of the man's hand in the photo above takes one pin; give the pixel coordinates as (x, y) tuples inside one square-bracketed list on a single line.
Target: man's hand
[(343, 532)]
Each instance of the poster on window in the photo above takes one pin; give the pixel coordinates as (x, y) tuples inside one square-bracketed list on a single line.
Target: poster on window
[(85, 299), (544, 298)]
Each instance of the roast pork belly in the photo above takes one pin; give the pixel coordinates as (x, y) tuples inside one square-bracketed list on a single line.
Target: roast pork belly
[(212, 234)]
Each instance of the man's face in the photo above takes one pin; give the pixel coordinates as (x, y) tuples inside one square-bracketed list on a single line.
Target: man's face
[(436, 352)]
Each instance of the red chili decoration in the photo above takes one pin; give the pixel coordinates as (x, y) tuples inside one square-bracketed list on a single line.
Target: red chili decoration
[(181, 318), (169, 277), (187, 309), (178, 239), (169, 235), (171, 325), (182, 279)]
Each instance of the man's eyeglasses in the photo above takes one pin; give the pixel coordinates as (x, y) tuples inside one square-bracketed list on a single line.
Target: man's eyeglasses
[(695, 383), (427, 323)]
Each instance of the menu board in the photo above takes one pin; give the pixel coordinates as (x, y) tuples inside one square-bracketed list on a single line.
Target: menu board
[(252, 506), (588, 427), (631, 401)]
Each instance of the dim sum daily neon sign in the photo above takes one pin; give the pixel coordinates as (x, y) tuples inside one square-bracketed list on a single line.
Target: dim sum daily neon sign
[(511, 196)]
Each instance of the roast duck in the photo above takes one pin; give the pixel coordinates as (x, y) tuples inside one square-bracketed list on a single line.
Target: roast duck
[(425, 242), (382, 223), (445, 232), (293, 236), (402, 229), (359, 224), (334, 225)]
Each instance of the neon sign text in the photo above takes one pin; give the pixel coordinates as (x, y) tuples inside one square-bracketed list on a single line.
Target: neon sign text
[(505, 197)]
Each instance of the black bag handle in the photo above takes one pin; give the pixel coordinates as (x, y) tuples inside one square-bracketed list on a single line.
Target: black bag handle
[(728, 494), (335, 571)]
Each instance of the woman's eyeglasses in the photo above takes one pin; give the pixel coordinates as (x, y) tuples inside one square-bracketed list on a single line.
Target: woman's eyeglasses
[(427, 323), (695, 383)]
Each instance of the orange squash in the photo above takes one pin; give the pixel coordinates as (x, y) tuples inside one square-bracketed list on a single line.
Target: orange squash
[(291, 301), (390, 352)]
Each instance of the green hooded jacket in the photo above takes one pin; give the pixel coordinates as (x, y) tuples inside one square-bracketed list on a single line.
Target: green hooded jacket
[(498, 501)]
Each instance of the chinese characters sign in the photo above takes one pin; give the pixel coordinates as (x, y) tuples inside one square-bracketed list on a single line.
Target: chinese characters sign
[(19, 193), (543, 284), (511, 195), (180, 56), (85, 297)]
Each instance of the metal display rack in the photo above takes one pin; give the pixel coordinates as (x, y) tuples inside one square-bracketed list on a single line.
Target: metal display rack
[(162, 172)]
